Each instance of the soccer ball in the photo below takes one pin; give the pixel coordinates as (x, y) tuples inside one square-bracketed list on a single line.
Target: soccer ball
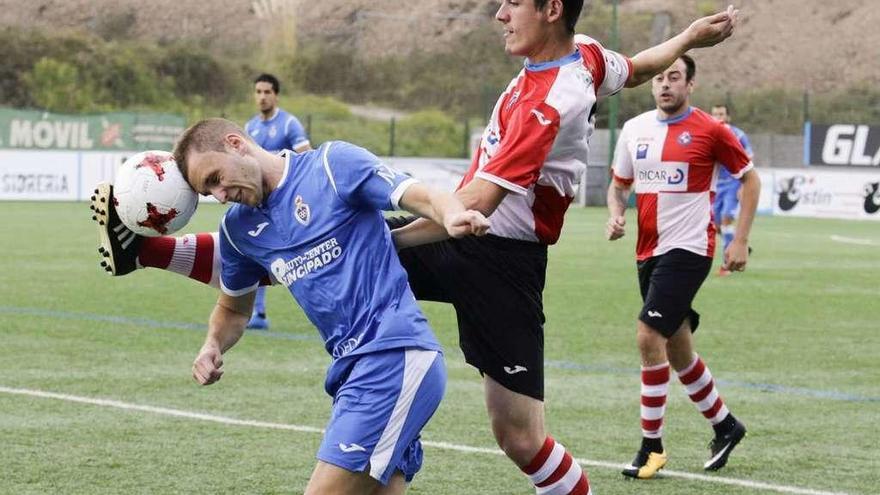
[(152, 197)]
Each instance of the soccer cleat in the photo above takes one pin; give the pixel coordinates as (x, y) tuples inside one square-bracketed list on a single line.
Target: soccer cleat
[(645, 465), (722, 445), (258, 321), (117, 244)]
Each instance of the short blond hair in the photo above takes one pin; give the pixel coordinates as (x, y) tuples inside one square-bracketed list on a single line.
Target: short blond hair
[(205, 135)]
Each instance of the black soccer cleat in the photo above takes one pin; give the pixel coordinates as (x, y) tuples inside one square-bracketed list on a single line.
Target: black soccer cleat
[(117, 244), (722, 445)]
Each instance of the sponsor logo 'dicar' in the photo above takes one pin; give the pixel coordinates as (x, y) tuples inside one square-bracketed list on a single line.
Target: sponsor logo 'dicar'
[(668, 177)]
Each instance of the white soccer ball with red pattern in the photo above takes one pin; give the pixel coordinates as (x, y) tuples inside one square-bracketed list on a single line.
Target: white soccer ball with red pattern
[(152, 197)]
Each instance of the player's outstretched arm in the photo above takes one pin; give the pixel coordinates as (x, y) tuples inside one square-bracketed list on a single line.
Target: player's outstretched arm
[(618, 195), (706, 31), (443, 215), (227, 323), (737, 254)]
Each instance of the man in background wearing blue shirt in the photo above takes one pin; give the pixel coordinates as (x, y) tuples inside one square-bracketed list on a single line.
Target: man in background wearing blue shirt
[(313, 222), (274, 130), (726, 204)]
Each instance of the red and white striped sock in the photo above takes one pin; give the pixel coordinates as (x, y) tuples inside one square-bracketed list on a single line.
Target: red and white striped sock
[(554, 471), (700, 386), (655, 387), (196, 256)]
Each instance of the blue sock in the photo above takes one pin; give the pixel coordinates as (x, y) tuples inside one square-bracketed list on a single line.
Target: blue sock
[(727, 232), (260, 302), (728, 238)]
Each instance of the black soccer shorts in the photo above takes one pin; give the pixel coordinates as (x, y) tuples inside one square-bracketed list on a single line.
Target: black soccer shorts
[(496, 286), (669, 282)]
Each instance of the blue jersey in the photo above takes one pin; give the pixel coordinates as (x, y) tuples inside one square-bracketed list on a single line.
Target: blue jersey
[(724, 177), (282, 131), (322, 234)]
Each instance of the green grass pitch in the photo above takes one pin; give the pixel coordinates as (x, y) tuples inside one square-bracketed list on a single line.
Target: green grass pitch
[(793, 343)]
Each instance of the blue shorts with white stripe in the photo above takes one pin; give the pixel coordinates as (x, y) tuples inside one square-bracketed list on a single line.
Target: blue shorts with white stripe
[(380, 410)]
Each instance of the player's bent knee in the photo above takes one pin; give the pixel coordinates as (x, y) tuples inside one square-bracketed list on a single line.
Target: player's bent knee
[(519, 446), (519, 440), (649, 336)]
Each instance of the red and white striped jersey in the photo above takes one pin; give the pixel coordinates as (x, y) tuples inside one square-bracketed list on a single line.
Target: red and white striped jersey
[(537, 141), (674, 165)]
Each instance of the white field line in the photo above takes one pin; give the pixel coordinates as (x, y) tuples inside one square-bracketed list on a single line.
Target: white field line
[(854, 240), (178, 413)]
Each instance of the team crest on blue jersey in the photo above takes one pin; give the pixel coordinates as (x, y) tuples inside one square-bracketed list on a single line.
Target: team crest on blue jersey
[(685, 138), (302, 212), (641, 151), (273, 131)]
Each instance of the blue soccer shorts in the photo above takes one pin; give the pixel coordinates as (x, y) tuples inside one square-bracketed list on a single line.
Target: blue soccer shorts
[(380, 410), (726, 203)]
